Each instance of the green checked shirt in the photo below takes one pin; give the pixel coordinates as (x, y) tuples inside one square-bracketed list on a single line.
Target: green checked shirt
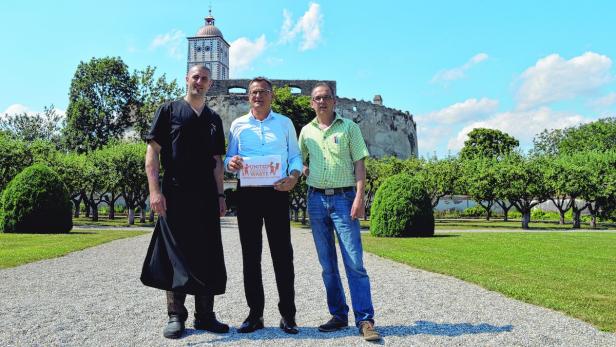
[(332, 152)]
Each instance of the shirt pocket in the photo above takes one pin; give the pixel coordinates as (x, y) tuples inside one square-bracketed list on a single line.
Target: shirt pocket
[(249, 140), (338, 144)]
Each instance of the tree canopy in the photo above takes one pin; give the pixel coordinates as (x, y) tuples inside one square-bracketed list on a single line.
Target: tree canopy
[(151, 93), (489, 143), (29, 127), (296, 107), (101, 98)]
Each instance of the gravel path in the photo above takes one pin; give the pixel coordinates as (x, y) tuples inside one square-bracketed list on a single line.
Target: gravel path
[(94, 298)]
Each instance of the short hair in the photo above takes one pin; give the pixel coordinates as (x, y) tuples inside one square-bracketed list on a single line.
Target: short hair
[(260, 79), (323, 84), (201, 67)]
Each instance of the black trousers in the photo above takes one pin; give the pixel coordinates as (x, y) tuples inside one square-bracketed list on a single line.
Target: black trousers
[(204, 305), (255, 206)]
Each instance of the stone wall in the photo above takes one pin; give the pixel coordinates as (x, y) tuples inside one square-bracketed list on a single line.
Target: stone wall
[(387, 132), (221, 87)]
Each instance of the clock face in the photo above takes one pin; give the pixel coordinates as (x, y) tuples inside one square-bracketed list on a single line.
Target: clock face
[(207, 48), (198, 48)]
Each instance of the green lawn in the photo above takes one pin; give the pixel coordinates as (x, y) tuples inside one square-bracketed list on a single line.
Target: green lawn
[(572, 272), (18, 249), (454, 224), (104, 221)]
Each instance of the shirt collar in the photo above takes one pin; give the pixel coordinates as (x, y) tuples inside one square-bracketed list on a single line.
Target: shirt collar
[(270, 115), (315, 120)]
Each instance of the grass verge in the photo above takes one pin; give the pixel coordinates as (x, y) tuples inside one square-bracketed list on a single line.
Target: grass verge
[(18, 249), (573, 272)]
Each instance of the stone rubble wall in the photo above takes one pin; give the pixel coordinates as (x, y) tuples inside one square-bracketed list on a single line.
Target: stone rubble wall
[(387, 132)]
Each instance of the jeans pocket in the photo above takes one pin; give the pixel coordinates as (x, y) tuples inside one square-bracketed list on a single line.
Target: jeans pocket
[(349, 195)]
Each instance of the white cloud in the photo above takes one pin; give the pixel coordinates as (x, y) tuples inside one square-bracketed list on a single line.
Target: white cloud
[(604, 101), (461, 111), (445, 76), (21, 108), (309, 26), (17, 108), (429, 138), (523, 125), (553, 78), (242, 53), (172, 42)]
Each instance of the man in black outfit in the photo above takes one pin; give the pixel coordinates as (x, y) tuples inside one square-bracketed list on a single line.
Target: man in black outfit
[(185, 255)]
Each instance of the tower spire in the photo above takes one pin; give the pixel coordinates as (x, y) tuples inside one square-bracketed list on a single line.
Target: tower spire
[(209, 20)]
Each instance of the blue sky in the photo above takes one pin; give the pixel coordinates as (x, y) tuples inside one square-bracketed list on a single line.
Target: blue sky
[(519, 66)]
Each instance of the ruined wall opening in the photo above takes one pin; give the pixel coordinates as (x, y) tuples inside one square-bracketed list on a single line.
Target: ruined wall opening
[(236, 90), (295, 90)]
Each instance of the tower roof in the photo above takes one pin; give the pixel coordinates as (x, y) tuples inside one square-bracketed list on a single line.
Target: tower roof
[(209, 29)]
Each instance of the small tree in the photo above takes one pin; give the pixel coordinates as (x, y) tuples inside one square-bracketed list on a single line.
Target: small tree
[(523, 182), (133, 181), (402, 207), (480, 179), (440, 178), (14, 156), (73, 170)]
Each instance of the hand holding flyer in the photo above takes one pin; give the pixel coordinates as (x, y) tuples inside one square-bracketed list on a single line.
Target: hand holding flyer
[(261, 170)]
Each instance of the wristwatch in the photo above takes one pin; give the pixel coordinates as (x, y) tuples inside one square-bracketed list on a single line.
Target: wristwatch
[(221, 195)]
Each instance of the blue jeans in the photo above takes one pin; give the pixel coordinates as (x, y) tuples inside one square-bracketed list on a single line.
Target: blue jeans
[(329, 214)]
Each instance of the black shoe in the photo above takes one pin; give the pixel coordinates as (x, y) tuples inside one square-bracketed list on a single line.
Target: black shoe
[(288, 326), (250, 325), (333, 324), (174, 328), (210, 323)]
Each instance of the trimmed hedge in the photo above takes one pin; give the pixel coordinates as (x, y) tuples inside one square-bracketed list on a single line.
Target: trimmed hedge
[(401, 207), (36, 202)]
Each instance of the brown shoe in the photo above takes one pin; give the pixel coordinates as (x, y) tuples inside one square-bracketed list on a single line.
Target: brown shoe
[(366, 329)]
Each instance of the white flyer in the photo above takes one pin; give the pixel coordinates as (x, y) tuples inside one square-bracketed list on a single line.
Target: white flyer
[(261, 170)]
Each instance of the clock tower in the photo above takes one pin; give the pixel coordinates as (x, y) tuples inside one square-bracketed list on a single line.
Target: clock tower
[(209, 48)]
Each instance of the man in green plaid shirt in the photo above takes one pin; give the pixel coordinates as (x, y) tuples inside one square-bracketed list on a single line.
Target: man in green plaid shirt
[(333, 151)]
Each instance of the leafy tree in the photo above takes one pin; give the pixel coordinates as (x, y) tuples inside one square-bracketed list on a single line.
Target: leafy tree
[(522, 180), (598, 186), (101, 98), (14, 156), (566, 180), (97, 181), (29, 127), (296, 107), (109, 163), (547, 142), (599, 135), (72, 169), (440, 177), (480, 177), (43, 151), (489, 143), (133, 182), (151, 93)]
